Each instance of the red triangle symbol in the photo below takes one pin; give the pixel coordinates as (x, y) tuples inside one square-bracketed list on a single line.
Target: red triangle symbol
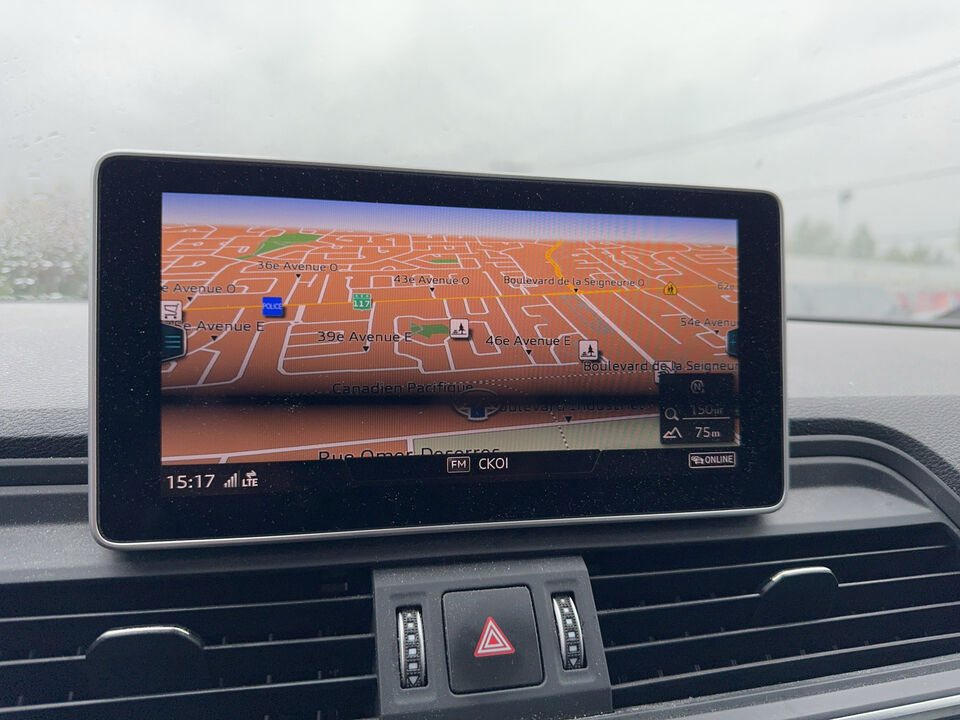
[(492, 641)]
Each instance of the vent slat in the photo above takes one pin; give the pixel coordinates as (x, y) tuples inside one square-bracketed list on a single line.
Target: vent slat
[(43, 598), (292, 660), (633, 625), (49, 680), (783, 548), (302, 647), (65, 635), (778, 563), (54, 679), (751, 645), (339, 698), (688, 584), (761, 674), (681, 623)]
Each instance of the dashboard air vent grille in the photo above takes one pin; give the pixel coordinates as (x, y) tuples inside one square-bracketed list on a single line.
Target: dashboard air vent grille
[(277, 644), (685, 623)]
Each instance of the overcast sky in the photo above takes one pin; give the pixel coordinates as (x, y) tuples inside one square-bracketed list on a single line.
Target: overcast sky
[(638, 90)]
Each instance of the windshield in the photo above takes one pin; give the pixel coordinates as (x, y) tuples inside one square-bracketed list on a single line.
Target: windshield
[(849, 111)]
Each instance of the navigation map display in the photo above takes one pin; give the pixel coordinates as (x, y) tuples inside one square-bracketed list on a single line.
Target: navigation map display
[(313, 330), (291, 351)]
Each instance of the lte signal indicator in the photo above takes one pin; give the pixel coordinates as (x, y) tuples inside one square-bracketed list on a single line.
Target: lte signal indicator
[(232, 481)]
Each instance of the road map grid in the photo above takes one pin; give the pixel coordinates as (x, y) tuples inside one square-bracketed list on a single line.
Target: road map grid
[(649, 306)]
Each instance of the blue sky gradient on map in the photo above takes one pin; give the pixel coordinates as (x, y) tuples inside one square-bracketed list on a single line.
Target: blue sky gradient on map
[(188, 208)]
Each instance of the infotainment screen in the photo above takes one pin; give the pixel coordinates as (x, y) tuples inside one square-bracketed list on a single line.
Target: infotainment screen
[(311, 350)]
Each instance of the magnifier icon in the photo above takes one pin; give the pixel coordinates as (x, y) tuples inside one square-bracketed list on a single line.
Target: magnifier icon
[(671, 414)]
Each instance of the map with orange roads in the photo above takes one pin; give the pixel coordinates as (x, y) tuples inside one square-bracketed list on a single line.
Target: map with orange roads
[(383, 343)]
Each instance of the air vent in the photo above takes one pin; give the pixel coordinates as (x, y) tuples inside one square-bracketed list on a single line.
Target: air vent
[(275, 645), (686, 621)]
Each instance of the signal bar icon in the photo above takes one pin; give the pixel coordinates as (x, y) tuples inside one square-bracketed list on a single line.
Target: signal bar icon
[(231, 481)]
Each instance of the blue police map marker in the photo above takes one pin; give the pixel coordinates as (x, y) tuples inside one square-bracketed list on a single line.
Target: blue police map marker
[(272, 307)]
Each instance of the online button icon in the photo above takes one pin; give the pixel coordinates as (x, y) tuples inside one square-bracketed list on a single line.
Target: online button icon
[(697, 460)]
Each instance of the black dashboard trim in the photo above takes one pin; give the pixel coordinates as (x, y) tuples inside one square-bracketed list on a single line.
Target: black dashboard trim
[(887, 446), (43, 532)]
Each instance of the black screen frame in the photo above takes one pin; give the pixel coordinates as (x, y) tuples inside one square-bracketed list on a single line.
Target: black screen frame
[(126, 508)]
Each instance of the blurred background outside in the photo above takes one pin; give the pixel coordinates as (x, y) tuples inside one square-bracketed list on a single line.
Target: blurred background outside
[(849, 111)]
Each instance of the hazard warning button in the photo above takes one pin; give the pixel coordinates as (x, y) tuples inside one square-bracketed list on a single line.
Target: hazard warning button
[(492, 641)]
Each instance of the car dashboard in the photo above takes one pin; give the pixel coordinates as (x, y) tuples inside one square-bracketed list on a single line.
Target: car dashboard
[(842, 603)]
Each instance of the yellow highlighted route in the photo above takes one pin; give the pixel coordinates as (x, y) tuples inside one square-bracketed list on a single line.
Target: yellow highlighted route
[(468, 297)]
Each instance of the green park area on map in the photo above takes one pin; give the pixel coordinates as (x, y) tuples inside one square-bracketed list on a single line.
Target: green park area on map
[(281, 241), (429, 331)]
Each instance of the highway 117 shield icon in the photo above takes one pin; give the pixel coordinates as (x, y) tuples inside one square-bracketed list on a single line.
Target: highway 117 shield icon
[(492, 641), (362, 301)]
